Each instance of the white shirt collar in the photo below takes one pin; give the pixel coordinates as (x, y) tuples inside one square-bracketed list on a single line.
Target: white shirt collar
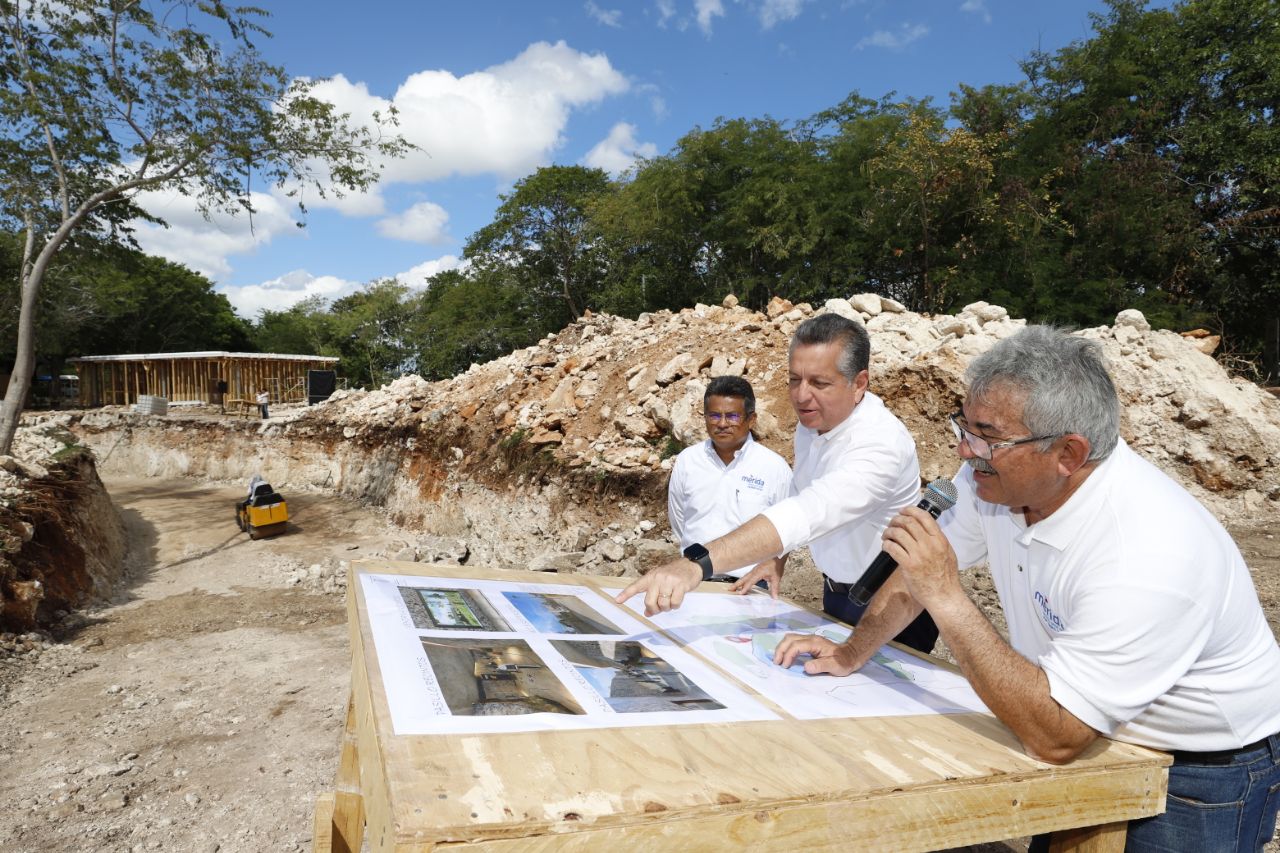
[(1071, 521), (737, 454)]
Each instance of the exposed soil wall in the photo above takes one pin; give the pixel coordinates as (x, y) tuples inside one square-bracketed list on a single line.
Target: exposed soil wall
[(558, 454), (519, 509), (62, 544)]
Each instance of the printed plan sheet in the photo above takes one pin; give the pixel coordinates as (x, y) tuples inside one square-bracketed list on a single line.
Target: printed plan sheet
[(740, 633), (470, 656)]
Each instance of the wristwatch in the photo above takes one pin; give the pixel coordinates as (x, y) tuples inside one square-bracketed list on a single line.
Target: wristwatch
[(699, 554)]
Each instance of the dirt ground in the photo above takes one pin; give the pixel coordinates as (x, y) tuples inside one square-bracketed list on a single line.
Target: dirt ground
[(200, 710)]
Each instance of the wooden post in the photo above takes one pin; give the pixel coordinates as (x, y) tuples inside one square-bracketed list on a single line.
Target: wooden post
[(1107, 838)]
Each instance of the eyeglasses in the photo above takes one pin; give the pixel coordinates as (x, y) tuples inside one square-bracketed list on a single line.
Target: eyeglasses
[(724, 417), (981, 447)]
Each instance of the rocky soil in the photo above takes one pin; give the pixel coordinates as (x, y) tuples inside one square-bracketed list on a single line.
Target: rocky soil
[(198, 706)]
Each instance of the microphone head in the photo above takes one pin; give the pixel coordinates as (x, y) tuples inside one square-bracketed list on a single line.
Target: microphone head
[(941, 493)]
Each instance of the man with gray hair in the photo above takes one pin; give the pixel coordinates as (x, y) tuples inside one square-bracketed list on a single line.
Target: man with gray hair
[(1131, 612), (855, 467)]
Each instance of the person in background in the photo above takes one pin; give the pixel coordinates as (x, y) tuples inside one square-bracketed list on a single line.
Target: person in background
[(723, 482), (855, 467), (263, 400), (1131, 612)]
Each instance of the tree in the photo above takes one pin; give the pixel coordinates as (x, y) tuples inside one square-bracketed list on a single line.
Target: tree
[(731, 209), (369, 329), (467, 317), (306, 327), (542, 232), (101, 99), (1165, 126), (140, 303)]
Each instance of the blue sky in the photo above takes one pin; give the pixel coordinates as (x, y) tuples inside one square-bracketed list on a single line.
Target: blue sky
[(491, 90)]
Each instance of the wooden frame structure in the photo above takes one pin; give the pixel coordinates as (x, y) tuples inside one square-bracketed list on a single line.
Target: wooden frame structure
[(119, 380), (878, 784)]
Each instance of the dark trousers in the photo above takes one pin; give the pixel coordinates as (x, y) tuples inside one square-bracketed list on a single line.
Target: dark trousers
[(920, 635), (262, 408)]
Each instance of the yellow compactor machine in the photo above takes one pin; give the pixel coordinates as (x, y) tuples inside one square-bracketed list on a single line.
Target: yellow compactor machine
[(264, 512)]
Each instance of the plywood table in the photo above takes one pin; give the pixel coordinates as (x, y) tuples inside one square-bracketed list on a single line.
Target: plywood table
[(884, 783)]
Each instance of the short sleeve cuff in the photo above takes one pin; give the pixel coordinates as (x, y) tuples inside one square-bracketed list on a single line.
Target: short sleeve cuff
[(788, 519), (1077, 702)]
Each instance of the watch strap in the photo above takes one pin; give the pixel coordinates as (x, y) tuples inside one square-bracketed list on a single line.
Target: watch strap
[(699, 554)]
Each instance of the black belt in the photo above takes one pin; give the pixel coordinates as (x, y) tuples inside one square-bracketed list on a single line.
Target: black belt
[(1222, 756), (835, 586)]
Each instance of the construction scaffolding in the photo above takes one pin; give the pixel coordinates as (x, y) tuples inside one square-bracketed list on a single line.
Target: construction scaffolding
[(120, 380)]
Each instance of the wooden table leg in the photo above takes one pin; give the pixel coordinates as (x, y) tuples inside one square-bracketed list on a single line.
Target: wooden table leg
[(1107, 838), (339, 820)]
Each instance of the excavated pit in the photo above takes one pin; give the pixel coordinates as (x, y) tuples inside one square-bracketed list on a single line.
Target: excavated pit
[(209, 691)]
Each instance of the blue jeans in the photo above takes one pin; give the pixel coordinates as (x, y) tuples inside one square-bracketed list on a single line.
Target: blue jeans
[(1212, 808)]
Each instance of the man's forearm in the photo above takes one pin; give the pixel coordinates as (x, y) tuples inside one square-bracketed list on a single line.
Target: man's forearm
[(1014, 688), (748, 545), (890, 610)]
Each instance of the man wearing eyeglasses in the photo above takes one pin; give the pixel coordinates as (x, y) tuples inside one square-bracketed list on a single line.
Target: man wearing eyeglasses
[(1131, 612), (723, 482), (855, 467)]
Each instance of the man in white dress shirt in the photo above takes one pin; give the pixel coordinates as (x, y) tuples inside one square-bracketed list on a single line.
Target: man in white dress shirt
[(856, 466), (723, 482), (1131, 612)]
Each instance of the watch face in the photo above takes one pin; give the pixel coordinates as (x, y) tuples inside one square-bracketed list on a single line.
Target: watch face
[(695, 552)]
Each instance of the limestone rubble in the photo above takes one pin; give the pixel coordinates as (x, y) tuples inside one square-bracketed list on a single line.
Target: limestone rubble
[(613, 395), (555, 457)]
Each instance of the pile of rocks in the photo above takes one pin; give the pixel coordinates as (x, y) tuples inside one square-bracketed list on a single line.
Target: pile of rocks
[(613, 395)]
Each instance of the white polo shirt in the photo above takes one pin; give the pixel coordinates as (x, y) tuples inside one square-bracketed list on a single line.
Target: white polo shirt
[(849, 482), (1137, 605), (707, 499)]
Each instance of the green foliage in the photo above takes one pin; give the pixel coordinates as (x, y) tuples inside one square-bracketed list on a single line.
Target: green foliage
[(731, 209), (542, 235), (103, 299), (668, 445), (369, 330), (513, 440), (472, 317), (306, 328), (1136, 168), (146, 304), (99, 100)]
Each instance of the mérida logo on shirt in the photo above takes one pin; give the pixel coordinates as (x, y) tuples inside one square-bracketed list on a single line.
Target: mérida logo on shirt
[(1050, 618), (753, 482)]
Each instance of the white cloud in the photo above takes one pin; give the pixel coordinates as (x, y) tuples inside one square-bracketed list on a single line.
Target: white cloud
[(505, 120), (608, 17), (425, 222), (417, 276), (657, 103), (777, 11), (706, 10), (666, 11), (905, 35), (202, 245), (619, 151), (977, 7), (280, 294)]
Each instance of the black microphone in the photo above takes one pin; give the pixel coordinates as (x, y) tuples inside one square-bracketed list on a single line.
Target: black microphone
[(938, 496)]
